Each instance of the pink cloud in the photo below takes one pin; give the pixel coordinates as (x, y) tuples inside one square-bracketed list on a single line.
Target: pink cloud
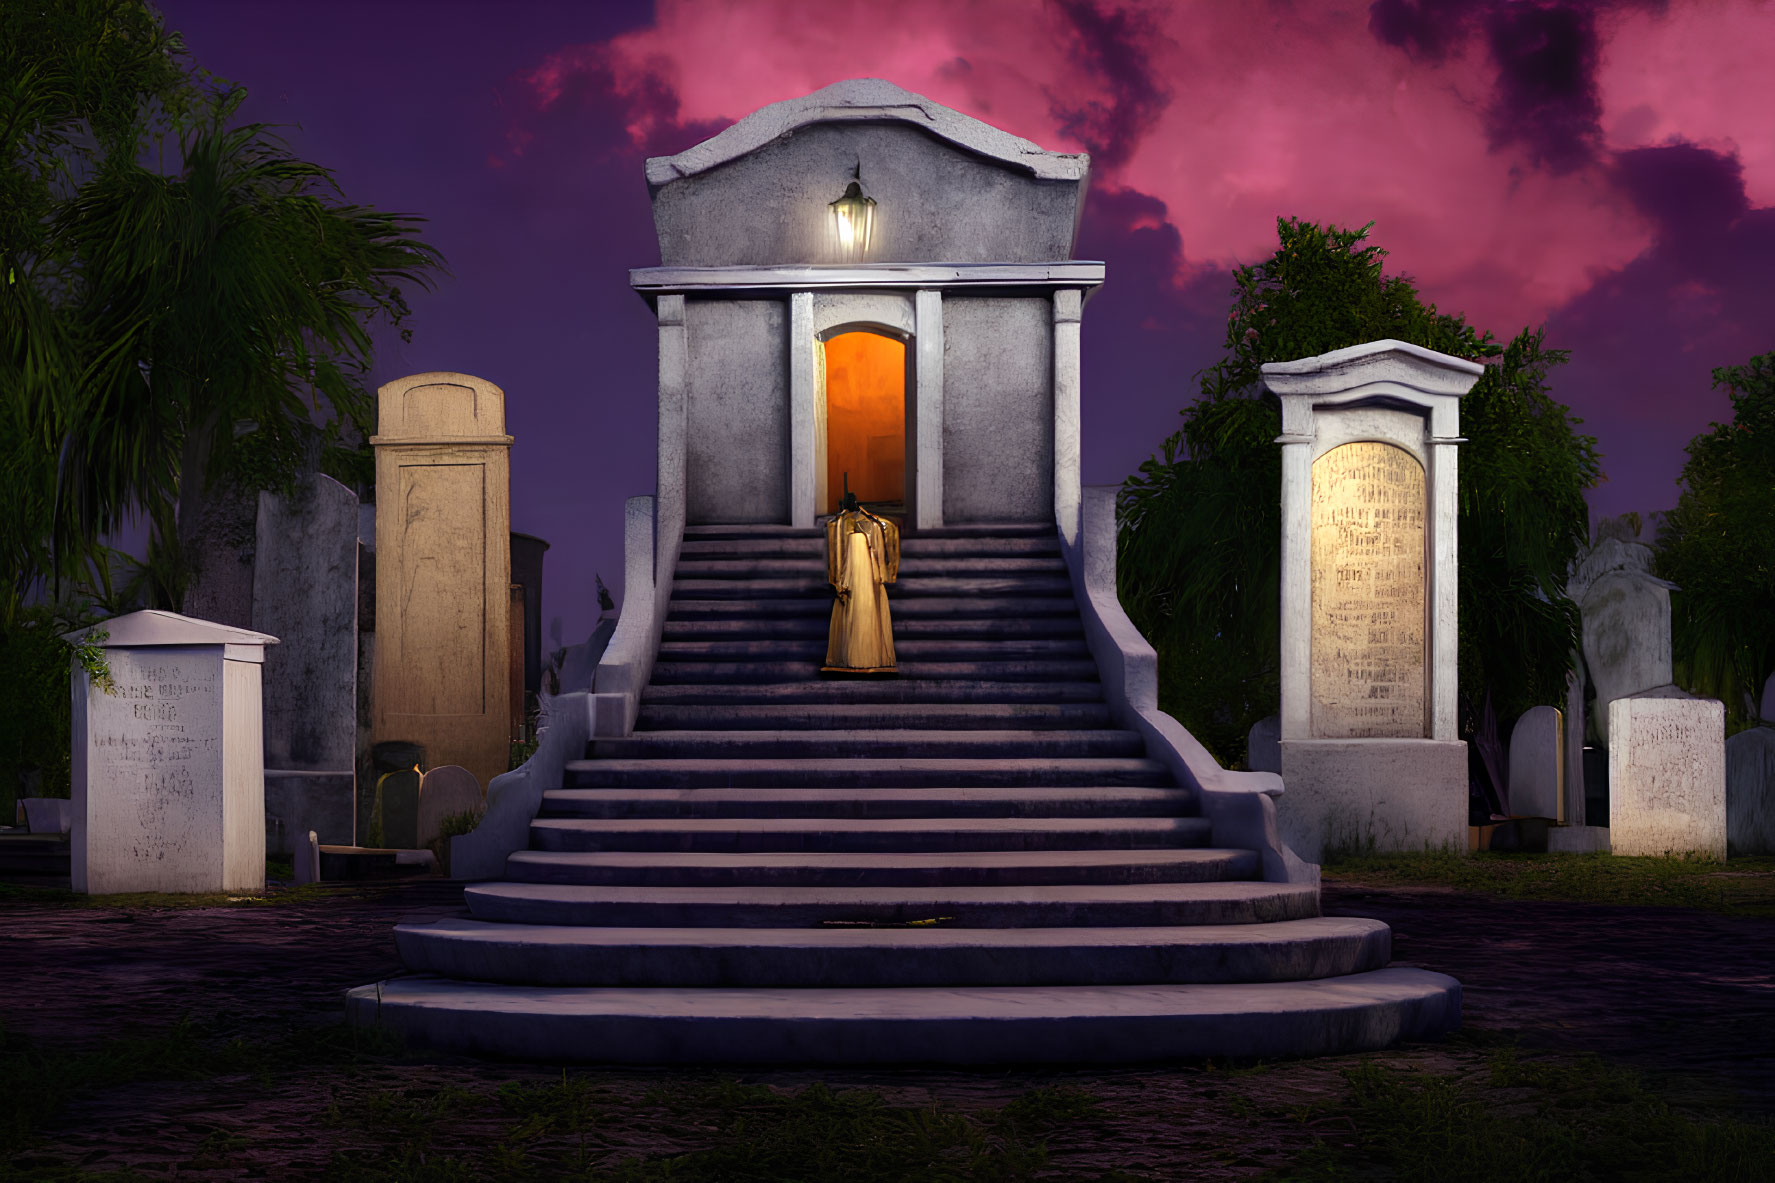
[(1270, 110)]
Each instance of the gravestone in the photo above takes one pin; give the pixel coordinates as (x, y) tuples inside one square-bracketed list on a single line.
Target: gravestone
[(1767, 707), (1667, 776), (442, 663), (397, 798), (1625, 612), (1750, 792), (168, 772), (305, 593), (1537, 764), (1263, 745), (1368, 743), (527, 553), (443, 792)]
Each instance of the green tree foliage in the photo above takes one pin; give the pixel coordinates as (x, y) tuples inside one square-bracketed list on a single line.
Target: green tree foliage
[(1200, 544), (183, 304), (1718, 546), (168, 323)]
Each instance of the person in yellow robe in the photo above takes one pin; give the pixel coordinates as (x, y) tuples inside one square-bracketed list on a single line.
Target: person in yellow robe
[(862, 556)]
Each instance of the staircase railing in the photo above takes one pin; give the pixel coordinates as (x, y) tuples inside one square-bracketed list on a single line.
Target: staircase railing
[(1241, 806)]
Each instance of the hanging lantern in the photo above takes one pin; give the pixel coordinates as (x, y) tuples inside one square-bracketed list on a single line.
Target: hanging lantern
[(853, 223)]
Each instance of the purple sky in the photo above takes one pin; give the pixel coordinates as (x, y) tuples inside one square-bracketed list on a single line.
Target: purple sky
[(1608, 168)]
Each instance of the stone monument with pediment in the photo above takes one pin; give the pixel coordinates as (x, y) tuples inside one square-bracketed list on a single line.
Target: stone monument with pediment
[(1369, 749), (442, 670)]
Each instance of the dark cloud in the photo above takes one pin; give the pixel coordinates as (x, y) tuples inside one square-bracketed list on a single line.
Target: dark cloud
[(1428, 30), (1545, 97), (1544, 55), (1156, 321), (1113, 46), (1691, 193), (1645, 338)]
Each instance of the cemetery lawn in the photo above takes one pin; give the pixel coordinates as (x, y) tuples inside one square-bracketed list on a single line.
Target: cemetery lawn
[(1739, 886), (147, 1041)]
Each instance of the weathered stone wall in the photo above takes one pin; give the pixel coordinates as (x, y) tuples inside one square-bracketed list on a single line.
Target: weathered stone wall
[(737, 466), (998, 409), (935, 202)]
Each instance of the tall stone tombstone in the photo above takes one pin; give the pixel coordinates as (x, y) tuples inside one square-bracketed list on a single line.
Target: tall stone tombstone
[(443, 570), (1369, 748), (305, 593), (1625, 613), (168, 771)]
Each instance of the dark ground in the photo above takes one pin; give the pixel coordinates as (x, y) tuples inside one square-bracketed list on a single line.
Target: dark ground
[(1687, 996)]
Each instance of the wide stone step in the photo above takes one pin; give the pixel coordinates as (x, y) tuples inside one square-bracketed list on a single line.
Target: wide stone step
[(1030, 670), (862, 773), (811, 649), (687, 607), (911, 546), (815, 586), (987, 530), (741, 835), (914, 567), (815, 626), (877, 803), (858, 691), (824, 716), (1043, 906), (552, 955), (918, 1025), (992, 868), (867, 744)]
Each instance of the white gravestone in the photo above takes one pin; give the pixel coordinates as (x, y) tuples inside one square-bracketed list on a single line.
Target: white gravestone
[(444, 791), (1263, 750), (1369, 750), (1667, 776), (168, 772), (1767, 707), (1750, 792), (1537, 764)]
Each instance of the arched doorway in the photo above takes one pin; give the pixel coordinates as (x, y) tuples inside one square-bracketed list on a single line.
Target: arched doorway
[(860, 423)]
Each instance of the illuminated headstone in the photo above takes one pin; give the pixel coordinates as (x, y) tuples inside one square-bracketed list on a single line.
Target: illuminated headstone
[(1369, 752)]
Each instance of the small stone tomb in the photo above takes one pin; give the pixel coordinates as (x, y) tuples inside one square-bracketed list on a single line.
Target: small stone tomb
[(444, 791), (168, 771), (1750, 792), (1537, 764), (1667, 776)]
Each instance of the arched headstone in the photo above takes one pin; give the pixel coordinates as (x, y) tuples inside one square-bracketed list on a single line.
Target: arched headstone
[(1750, 792), (1537, 763), (445, 791)]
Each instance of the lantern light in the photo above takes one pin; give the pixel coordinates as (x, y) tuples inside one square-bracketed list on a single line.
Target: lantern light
[(853, 222)]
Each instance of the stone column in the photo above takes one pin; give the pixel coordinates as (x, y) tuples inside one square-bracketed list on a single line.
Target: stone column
[(443, 570), (1068, 306), (674, 435), (928, 333), (802, 393), (1369, 750)]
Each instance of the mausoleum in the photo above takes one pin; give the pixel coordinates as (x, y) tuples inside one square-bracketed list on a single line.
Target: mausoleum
[(1000, 851)]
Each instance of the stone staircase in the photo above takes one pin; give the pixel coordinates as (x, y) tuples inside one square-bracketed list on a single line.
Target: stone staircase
[(967, 863)]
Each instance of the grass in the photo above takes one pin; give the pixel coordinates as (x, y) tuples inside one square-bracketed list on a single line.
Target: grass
[(1741, 886), (1522, 1121)]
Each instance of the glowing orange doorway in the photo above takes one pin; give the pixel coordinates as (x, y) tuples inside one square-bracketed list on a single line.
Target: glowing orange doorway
[(865, 430)]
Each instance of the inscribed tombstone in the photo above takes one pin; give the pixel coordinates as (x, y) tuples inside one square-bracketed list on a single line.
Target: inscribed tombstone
[(1667, 776), (1368, 593)]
